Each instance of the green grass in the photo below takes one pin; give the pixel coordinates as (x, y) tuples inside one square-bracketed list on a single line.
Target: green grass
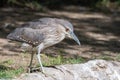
[(117, 57), (7, 73), (7, 62), (51, 61), (105, 57)]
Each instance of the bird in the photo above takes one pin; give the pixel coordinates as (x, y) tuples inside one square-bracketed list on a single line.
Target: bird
[(42, 33)]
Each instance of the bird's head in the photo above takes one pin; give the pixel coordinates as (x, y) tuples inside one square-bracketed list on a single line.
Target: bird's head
[(69, 32)]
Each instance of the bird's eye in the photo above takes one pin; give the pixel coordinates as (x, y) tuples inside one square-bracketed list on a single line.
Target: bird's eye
[(67, 29)]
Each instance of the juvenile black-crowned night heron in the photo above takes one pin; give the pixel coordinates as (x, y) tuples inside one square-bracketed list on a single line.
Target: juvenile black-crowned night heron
[(43, 33)]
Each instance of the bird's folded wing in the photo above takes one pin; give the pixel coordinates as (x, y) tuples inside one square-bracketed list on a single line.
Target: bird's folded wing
[(28, 35)]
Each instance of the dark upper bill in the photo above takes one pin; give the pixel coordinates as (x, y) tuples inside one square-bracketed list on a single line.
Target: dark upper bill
[(75, 38)]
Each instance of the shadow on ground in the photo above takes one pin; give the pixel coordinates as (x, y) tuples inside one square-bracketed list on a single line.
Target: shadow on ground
[(99, 33)]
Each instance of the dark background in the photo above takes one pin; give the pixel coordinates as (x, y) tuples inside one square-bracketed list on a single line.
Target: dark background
[(96, 24)]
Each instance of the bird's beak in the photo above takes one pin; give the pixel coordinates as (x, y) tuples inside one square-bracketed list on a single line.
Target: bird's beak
[(75, 37)]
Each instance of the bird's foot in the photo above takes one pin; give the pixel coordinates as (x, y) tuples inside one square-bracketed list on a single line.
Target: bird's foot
[(38, 69), (34, 69), (30, 69)]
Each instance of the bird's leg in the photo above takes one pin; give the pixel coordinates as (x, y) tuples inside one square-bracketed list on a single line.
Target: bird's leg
[(40, 47), (31, 60), (30, 64)]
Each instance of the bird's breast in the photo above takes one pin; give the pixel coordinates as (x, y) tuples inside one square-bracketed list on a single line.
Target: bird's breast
[(53, 37)]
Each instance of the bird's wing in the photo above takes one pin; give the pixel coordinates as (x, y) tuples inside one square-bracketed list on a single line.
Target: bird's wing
[(28, 35), (34, 32)]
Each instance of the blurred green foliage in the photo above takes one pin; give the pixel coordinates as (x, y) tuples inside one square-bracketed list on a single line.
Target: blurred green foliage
[(33, 4), (38, 4), (55, 4)]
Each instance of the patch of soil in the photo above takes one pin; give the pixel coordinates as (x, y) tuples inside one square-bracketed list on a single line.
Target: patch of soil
[(99, 35)]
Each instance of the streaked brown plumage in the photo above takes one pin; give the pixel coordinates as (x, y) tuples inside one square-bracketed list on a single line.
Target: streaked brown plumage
[(43, 33)]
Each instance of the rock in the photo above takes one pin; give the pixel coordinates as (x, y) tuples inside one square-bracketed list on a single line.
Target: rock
[(91, 70)]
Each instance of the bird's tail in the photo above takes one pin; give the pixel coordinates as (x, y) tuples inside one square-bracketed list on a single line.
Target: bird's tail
[(14, 35), (10, 36)]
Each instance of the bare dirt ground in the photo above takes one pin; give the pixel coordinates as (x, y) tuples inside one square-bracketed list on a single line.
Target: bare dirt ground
[(99, 34)]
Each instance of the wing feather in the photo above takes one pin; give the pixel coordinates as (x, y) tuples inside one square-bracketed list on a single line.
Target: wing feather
[(28, 35), (34, 32)]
